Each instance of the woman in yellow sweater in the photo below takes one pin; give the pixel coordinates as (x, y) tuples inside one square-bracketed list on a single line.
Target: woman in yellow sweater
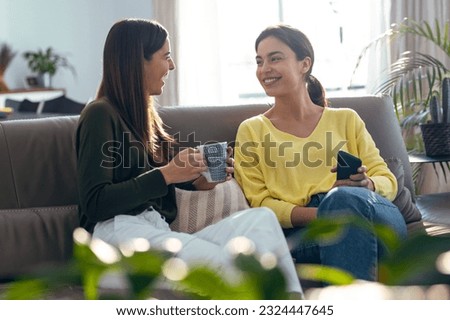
[(286, 159)]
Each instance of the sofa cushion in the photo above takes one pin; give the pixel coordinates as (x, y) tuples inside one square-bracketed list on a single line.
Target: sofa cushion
[(196, 125), (62, 104), (28, 106), (35, 236), (403, 200), (198, 209)]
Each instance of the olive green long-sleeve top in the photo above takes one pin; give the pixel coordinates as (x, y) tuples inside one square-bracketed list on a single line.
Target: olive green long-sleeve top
[(115, 175)]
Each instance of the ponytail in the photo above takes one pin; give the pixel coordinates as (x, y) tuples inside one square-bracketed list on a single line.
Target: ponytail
[(316, 91)]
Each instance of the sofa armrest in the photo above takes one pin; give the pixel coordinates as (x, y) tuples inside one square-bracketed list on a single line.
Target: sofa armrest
[(35, 237)]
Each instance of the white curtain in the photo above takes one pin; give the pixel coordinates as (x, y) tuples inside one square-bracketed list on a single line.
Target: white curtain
[(393, 12), (378, 60), (419, 10), (166, 13), (195, 48)]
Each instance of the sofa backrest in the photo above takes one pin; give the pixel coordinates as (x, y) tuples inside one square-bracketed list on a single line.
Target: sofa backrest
[(38, 163)]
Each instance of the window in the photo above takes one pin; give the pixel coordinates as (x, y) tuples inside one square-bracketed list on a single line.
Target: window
[(216, 58)]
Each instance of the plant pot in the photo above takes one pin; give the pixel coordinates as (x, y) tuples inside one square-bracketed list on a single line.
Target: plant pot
[(44, 80), (436, 138)]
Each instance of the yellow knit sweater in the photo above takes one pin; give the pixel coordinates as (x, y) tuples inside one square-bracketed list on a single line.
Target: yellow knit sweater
[(280, 171)]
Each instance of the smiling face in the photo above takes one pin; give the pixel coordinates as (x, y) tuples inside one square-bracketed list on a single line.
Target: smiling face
[(156, 70), (278, 70)]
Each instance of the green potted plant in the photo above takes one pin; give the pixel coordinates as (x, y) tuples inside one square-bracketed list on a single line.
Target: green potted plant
[(46, 63), (6, 55), (414, 77)]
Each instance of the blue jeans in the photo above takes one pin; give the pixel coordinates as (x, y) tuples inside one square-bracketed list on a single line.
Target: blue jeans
[(358, 250)]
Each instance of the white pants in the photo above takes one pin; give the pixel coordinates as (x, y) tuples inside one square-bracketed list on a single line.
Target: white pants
[(208, 246)]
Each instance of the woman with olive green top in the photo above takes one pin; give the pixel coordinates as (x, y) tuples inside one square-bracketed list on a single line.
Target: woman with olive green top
[(124, 179)]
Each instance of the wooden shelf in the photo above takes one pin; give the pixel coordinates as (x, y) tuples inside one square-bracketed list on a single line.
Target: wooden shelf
[(34, 94), (24, 90)]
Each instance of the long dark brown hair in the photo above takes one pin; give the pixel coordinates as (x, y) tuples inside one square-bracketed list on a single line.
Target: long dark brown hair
[(128, 43), (298, 42)]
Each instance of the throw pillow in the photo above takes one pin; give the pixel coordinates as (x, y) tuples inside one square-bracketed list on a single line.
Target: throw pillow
[(403, 200), (28, 106), (199, 209)]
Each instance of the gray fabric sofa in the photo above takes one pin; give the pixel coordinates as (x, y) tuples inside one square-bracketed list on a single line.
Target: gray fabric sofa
[(38, 194)]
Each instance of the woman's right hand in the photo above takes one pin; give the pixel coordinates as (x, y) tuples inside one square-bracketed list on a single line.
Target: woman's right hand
[(187, 165), (359, 179)]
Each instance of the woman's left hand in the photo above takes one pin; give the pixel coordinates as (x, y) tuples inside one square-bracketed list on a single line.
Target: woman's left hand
[(359, 179), (202, 184)]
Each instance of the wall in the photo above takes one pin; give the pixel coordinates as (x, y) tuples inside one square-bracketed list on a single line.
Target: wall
[(76, 29)]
